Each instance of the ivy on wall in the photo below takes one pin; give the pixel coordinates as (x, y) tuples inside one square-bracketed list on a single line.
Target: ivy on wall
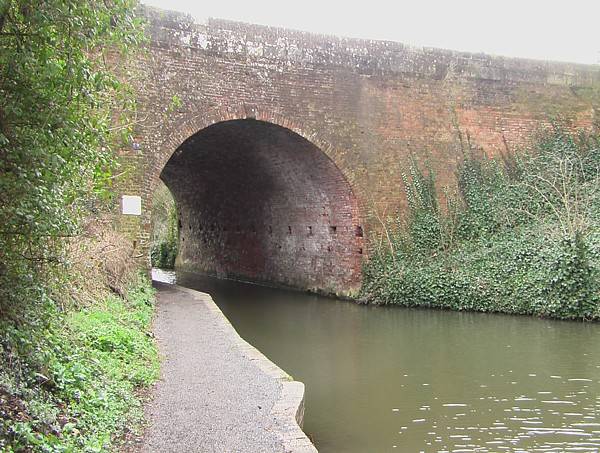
[(520, 234)]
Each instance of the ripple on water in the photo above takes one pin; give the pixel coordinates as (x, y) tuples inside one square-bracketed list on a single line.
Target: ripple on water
[(462, 386), (522, 422)]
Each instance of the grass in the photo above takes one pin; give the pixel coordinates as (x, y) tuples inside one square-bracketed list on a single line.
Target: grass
[(73, 386)]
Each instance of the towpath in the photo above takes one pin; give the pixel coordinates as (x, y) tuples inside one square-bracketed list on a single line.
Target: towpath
[(216, 392)]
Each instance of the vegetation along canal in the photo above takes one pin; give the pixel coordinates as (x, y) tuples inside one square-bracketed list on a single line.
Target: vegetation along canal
[(393, 379)]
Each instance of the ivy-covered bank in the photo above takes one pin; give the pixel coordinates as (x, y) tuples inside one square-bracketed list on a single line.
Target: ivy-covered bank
[(520, 234)]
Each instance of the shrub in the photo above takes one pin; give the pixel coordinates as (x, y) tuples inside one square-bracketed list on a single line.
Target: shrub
[(163, 254), (165, 233), (63, 108), (59, 110), (521, 234)]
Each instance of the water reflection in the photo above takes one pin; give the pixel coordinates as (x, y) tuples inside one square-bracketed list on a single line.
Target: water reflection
[(393, 379), (163, 275)]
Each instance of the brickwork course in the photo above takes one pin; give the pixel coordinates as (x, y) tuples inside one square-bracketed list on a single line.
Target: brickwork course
[(283, 149)]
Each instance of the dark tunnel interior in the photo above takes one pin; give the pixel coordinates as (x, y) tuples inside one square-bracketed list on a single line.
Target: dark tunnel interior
[(259, 202)]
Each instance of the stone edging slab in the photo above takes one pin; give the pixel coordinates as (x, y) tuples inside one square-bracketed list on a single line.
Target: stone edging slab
[(288, 410)]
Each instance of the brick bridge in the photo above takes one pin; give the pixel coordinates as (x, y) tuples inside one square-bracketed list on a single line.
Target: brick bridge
[(282, 148)]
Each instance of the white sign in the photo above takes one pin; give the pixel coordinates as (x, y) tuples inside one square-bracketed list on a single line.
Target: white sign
[(132, 205)]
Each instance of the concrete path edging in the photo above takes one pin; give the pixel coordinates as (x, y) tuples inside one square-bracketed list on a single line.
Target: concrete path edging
[(288, 410)]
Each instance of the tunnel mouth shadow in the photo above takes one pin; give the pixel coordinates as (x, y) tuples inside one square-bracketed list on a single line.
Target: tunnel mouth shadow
[(259, 203)]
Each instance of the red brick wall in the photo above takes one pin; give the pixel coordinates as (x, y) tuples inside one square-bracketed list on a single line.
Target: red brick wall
[(367, 105), (257, 201)]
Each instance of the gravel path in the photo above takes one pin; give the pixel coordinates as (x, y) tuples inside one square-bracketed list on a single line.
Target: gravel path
[(212, 395)]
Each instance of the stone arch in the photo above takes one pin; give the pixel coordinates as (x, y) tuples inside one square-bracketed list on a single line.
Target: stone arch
[(341, 241)]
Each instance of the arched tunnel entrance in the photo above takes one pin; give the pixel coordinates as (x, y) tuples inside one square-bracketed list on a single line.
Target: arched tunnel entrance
[(258, 202)]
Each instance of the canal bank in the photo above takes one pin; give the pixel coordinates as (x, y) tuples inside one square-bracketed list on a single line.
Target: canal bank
[(388, 379), (217, 392)]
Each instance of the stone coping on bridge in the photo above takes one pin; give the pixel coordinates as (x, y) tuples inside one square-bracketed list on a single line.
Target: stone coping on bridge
[(287, 412), (276, 46)]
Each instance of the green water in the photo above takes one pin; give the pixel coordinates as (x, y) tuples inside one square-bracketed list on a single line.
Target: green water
[(393, 379)]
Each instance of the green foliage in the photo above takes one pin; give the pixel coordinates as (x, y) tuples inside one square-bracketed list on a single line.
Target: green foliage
[(165, 231), (480, 181), (63, 107), (519, 235), (163, 254), (60, 104), (75, 389), (424, 227)]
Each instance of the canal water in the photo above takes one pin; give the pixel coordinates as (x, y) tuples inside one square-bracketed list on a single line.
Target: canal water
[(384, 379)]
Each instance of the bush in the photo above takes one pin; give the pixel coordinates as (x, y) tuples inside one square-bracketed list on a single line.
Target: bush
[(519, 235), (163, 254), (61, 104), (165, 233), (63, 108)]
